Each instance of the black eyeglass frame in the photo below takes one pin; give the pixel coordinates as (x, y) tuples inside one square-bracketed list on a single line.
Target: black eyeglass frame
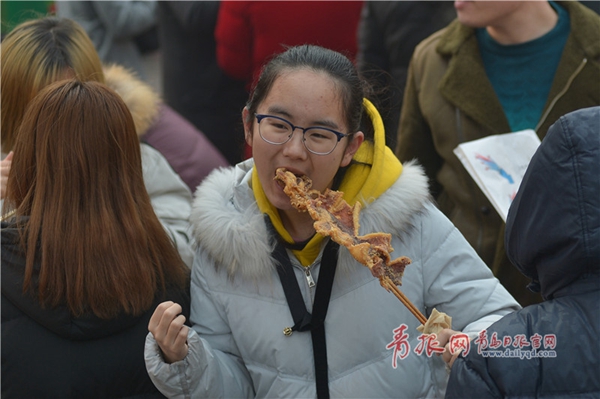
[(340, 136)]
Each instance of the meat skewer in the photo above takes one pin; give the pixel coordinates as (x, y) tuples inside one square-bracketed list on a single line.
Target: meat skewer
[(335, 218)]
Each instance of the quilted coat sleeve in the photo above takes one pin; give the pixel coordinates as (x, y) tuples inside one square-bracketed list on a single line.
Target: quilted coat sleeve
[(213, 367), (456, 281), (234, 38), (468, 377), (171, 200)]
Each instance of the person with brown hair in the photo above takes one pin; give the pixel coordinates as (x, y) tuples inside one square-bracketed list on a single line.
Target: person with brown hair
[(85, 260), (39, 52)]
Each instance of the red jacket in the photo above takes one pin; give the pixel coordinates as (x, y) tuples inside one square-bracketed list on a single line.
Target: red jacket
[(248, 33)]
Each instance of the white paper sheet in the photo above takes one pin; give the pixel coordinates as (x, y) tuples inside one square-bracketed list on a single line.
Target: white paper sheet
[(497, 163)]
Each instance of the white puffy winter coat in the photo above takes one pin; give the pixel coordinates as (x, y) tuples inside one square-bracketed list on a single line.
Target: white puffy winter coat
[(237, 347)]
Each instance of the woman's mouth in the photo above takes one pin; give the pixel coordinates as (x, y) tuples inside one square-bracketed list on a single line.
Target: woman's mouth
[(282, 175)]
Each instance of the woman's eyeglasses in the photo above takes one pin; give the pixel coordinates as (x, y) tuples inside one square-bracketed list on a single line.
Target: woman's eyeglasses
[(318, 140)]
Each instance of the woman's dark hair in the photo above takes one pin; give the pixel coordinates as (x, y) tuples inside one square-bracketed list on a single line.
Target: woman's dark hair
[(351, 87)]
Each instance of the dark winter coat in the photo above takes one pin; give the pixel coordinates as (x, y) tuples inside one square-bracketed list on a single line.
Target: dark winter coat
[(192, 82), (553, 236), (46, 352), (388, 33)]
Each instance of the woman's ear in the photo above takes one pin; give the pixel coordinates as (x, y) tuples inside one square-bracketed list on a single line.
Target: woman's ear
[(357, 140), (248, 122)]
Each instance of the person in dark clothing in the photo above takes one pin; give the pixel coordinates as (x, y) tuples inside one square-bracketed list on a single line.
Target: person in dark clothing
[(85, 260), (553, 238), (388, 32), (193, 84)]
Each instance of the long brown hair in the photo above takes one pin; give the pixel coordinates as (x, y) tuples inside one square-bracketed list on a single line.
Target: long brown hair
[(85, 217), (35, 54)]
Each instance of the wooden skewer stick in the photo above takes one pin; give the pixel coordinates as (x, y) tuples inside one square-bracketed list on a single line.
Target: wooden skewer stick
[(400, 295)]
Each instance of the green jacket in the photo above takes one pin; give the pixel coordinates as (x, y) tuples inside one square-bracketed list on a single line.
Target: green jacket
[(450, 100)]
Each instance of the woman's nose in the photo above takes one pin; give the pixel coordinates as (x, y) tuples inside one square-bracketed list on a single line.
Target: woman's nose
[(295, 147)]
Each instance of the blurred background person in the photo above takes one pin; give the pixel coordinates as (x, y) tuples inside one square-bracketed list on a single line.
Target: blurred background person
[(388, 32), (593, 5), (554, 239), (189, 152), (249, 33), (122, 31), (502, 66), (192, 82), (42, 51), (84, 258)]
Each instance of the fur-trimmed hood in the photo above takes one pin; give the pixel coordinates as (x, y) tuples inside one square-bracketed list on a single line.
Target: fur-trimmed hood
[(143, 102), (226, 220)]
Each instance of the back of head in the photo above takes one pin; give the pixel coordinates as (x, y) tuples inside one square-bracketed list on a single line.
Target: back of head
[(77, 187), (553, 226), (35, 54), (80, 139)]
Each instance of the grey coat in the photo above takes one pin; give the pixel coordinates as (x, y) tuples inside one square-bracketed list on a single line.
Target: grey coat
[(112, 27), (171, 200), (237, 347)]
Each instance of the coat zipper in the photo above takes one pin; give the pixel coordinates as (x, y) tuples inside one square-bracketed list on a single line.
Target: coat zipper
[(309, 278)]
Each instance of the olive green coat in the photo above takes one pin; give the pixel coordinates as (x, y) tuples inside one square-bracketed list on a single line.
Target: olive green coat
[(450, 100)]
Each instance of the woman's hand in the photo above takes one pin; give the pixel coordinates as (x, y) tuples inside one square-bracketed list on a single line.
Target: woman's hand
[(4, 169), (443, 338), (166, 325)]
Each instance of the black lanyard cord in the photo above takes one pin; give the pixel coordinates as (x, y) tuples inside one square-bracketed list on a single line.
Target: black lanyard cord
[(303, 320)]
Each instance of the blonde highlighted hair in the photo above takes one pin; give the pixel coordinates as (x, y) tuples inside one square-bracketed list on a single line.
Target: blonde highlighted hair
[(35, 54)]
